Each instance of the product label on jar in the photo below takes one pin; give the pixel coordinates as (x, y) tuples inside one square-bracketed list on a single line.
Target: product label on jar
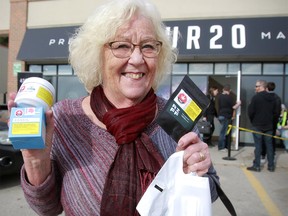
[(45, 95), (25, 128)]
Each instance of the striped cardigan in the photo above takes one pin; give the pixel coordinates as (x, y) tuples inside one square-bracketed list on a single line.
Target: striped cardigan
[(81, 156)]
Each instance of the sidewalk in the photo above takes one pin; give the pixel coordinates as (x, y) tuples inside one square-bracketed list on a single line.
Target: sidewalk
[(252, 193)]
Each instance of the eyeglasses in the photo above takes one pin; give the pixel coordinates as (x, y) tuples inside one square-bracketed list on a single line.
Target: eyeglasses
[(124, 49), (257, 86)]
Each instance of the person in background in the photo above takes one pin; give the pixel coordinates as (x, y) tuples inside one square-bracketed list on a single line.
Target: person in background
[(282, 126), (210, 114), (261, 112), (270, 88), (226, 113), (103, 150)]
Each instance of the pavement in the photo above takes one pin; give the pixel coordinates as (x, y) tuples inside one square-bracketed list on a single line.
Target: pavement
[(252, 193), (262, 193)]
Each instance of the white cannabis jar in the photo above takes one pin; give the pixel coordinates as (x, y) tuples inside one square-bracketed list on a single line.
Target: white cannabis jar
[(35, 92)]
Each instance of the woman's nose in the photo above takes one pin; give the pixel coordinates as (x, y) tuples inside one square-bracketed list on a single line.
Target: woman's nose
[(136, 56)]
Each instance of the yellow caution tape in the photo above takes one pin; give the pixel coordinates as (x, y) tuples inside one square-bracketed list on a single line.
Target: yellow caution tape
[(252, 131)]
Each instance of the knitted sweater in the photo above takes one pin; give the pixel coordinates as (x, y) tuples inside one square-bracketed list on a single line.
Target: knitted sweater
[(82, 153)]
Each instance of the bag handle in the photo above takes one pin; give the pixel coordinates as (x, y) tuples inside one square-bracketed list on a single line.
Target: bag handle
[(224, 198), (178, 162), (221, 194)]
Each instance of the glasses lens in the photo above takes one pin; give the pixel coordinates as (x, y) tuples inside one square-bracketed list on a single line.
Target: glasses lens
[(123, 49), (150, 49)]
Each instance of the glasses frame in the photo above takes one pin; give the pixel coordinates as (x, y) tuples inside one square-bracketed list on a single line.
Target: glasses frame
[(133, 46)]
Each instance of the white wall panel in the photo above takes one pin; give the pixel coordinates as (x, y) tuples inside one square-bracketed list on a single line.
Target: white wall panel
[(5, 15), (71, 12)]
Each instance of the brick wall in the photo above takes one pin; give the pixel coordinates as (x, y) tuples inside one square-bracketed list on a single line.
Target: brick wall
[(18, 21)]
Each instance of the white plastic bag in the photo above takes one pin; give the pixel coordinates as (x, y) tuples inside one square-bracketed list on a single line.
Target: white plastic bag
[(173, 192)]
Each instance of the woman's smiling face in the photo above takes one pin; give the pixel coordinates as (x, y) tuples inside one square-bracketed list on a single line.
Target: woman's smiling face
[(126, 81)]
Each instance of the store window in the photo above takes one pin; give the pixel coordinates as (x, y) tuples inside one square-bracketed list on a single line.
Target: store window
[(201, 68), (35, 68), (226, 68), (66, 84), (65, 70), (251, 68), (180, 68), (70, 87), (273, 69), (49, 70), (201, 82), (176, 80), (233, 68), (221, 68), (164, 87), (198, 72)]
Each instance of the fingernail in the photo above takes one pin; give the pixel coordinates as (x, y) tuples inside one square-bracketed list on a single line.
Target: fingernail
[(180, 143)]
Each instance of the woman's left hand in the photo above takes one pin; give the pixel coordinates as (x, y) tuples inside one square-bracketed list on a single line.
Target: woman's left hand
[(196, 154)]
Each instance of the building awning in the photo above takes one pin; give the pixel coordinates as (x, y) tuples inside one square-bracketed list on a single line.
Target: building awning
[(46, 44), (213, 39)]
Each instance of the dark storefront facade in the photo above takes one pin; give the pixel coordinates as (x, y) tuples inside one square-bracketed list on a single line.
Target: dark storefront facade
[(211, 52)]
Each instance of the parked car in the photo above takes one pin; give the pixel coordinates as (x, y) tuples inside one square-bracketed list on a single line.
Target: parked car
[(11, 159)]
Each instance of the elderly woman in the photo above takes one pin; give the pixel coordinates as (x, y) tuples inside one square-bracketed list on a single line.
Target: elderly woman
[(103, 150)]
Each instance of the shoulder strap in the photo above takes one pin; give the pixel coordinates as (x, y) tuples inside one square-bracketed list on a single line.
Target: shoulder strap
[(224, 198)]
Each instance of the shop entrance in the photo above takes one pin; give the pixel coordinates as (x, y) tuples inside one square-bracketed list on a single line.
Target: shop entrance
[(234, 82)]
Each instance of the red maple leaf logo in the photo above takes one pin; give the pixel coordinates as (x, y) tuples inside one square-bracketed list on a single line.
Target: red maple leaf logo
[(18, 113), (182, 98)]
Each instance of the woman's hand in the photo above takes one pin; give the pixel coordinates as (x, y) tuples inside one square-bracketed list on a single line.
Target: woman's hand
[(37, 162), (196, 154), (11, 102)]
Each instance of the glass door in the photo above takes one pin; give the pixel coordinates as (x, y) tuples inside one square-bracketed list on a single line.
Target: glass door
[(234, 81)]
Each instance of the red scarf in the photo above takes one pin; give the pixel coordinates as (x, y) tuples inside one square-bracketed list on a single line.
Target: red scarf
[(137, 160)]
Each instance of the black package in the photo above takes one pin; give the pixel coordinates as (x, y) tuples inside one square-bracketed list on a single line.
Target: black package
[(183, 109)]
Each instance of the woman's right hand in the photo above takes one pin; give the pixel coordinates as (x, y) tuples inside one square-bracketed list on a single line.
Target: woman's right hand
[(37, 162)]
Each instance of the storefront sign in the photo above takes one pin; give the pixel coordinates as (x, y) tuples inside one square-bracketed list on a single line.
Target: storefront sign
[(217, 38), (254, 37)]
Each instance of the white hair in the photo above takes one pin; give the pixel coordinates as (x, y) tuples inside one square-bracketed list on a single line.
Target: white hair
[(86, 45)]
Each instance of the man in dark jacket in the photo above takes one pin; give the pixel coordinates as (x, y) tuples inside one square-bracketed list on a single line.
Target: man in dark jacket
[(226, 114), (270, 88), (261, 112)]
